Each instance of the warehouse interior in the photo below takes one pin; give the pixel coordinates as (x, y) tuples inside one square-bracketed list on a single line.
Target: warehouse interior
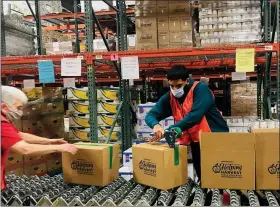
[(93, 71)]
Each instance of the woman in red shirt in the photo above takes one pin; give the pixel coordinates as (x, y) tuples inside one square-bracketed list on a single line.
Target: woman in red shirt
[(12, 103)]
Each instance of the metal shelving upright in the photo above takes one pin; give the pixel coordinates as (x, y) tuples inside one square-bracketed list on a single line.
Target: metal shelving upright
[(124, 84), (3, 38), (92, 92)]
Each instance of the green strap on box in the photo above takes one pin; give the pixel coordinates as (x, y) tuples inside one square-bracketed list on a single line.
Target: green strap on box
[(110, 152), (176, 155)]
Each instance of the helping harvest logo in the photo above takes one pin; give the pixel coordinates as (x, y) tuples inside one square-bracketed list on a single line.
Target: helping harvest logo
[(82, 167), (274, 169), (149, 168), (228, 169)]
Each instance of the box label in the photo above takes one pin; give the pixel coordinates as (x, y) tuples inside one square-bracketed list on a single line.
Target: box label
[(82, 167), (228, 169), (148, 167)]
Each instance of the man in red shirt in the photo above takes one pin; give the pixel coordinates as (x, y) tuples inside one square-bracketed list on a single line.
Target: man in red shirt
[(13, 101)]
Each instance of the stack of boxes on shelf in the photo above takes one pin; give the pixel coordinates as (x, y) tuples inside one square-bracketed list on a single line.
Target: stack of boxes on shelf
[(247, 123), (57, 43), (229, 22), (45, 111), (144, 131), (108, 102), (244, 99), (17, 42), (163, 24), (46, 7), (174, 21)]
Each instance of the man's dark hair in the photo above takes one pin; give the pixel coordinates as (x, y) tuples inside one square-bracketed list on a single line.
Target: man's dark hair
[(178, 72)]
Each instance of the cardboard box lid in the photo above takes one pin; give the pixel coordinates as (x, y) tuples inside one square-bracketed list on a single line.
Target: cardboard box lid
[(219, 140)]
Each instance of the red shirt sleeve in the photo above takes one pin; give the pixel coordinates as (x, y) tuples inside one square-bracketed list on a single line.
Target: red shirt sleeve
[(9, 135)]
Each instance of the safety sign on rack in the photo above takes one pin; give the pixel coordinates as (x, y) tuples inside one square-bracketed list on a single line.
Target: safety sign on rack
[(71, 67), (46, 71), (114, 57), (69, 82), (29, 83), (238, 76), (245, 60), (130, 67)]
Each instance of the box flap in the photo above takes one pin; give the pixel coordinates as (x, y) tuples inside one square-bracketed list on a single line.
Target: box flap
[(236, 141)]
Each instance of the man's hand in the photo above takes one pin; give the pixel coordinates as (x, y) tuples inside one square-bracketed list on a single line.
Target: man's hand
[(57, 141), (158, 132), (70, 148)]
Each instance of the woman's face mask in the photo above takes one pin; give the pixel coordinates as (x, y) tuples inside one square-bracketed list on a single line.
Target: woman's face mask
[(13, 113)]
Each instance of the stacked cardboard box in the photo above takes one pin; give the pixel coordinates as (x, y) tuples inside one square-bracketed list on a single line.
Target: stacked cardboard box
[(33, 165), (46, 7), (248, 123), (174, 24), (44, 110), (229, 22), (146, 24), (54, 48), (18, 43), (244, 99), (163, 24), (53, 36), (79, 119), (245, 161)]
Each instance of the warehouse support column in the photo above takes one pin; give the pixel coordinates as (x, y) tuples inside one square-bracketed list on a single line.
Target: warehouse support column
[(124, 84), (77, 42), (3, 38), (38, 28), (92, 94), (267, 73), (259, 92), (145, 88)]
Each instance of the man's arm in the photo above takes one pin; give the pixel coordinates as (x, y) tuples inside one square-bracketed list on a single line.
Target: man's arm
[(203, 101), (25, 148), (159, 112), (33, 139)]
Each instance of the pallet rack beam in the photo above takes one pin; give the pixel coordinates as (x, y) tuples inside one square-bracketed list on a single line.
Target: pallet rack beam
[(72, 15), (115, 79), (92, 92), (161, 56)]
